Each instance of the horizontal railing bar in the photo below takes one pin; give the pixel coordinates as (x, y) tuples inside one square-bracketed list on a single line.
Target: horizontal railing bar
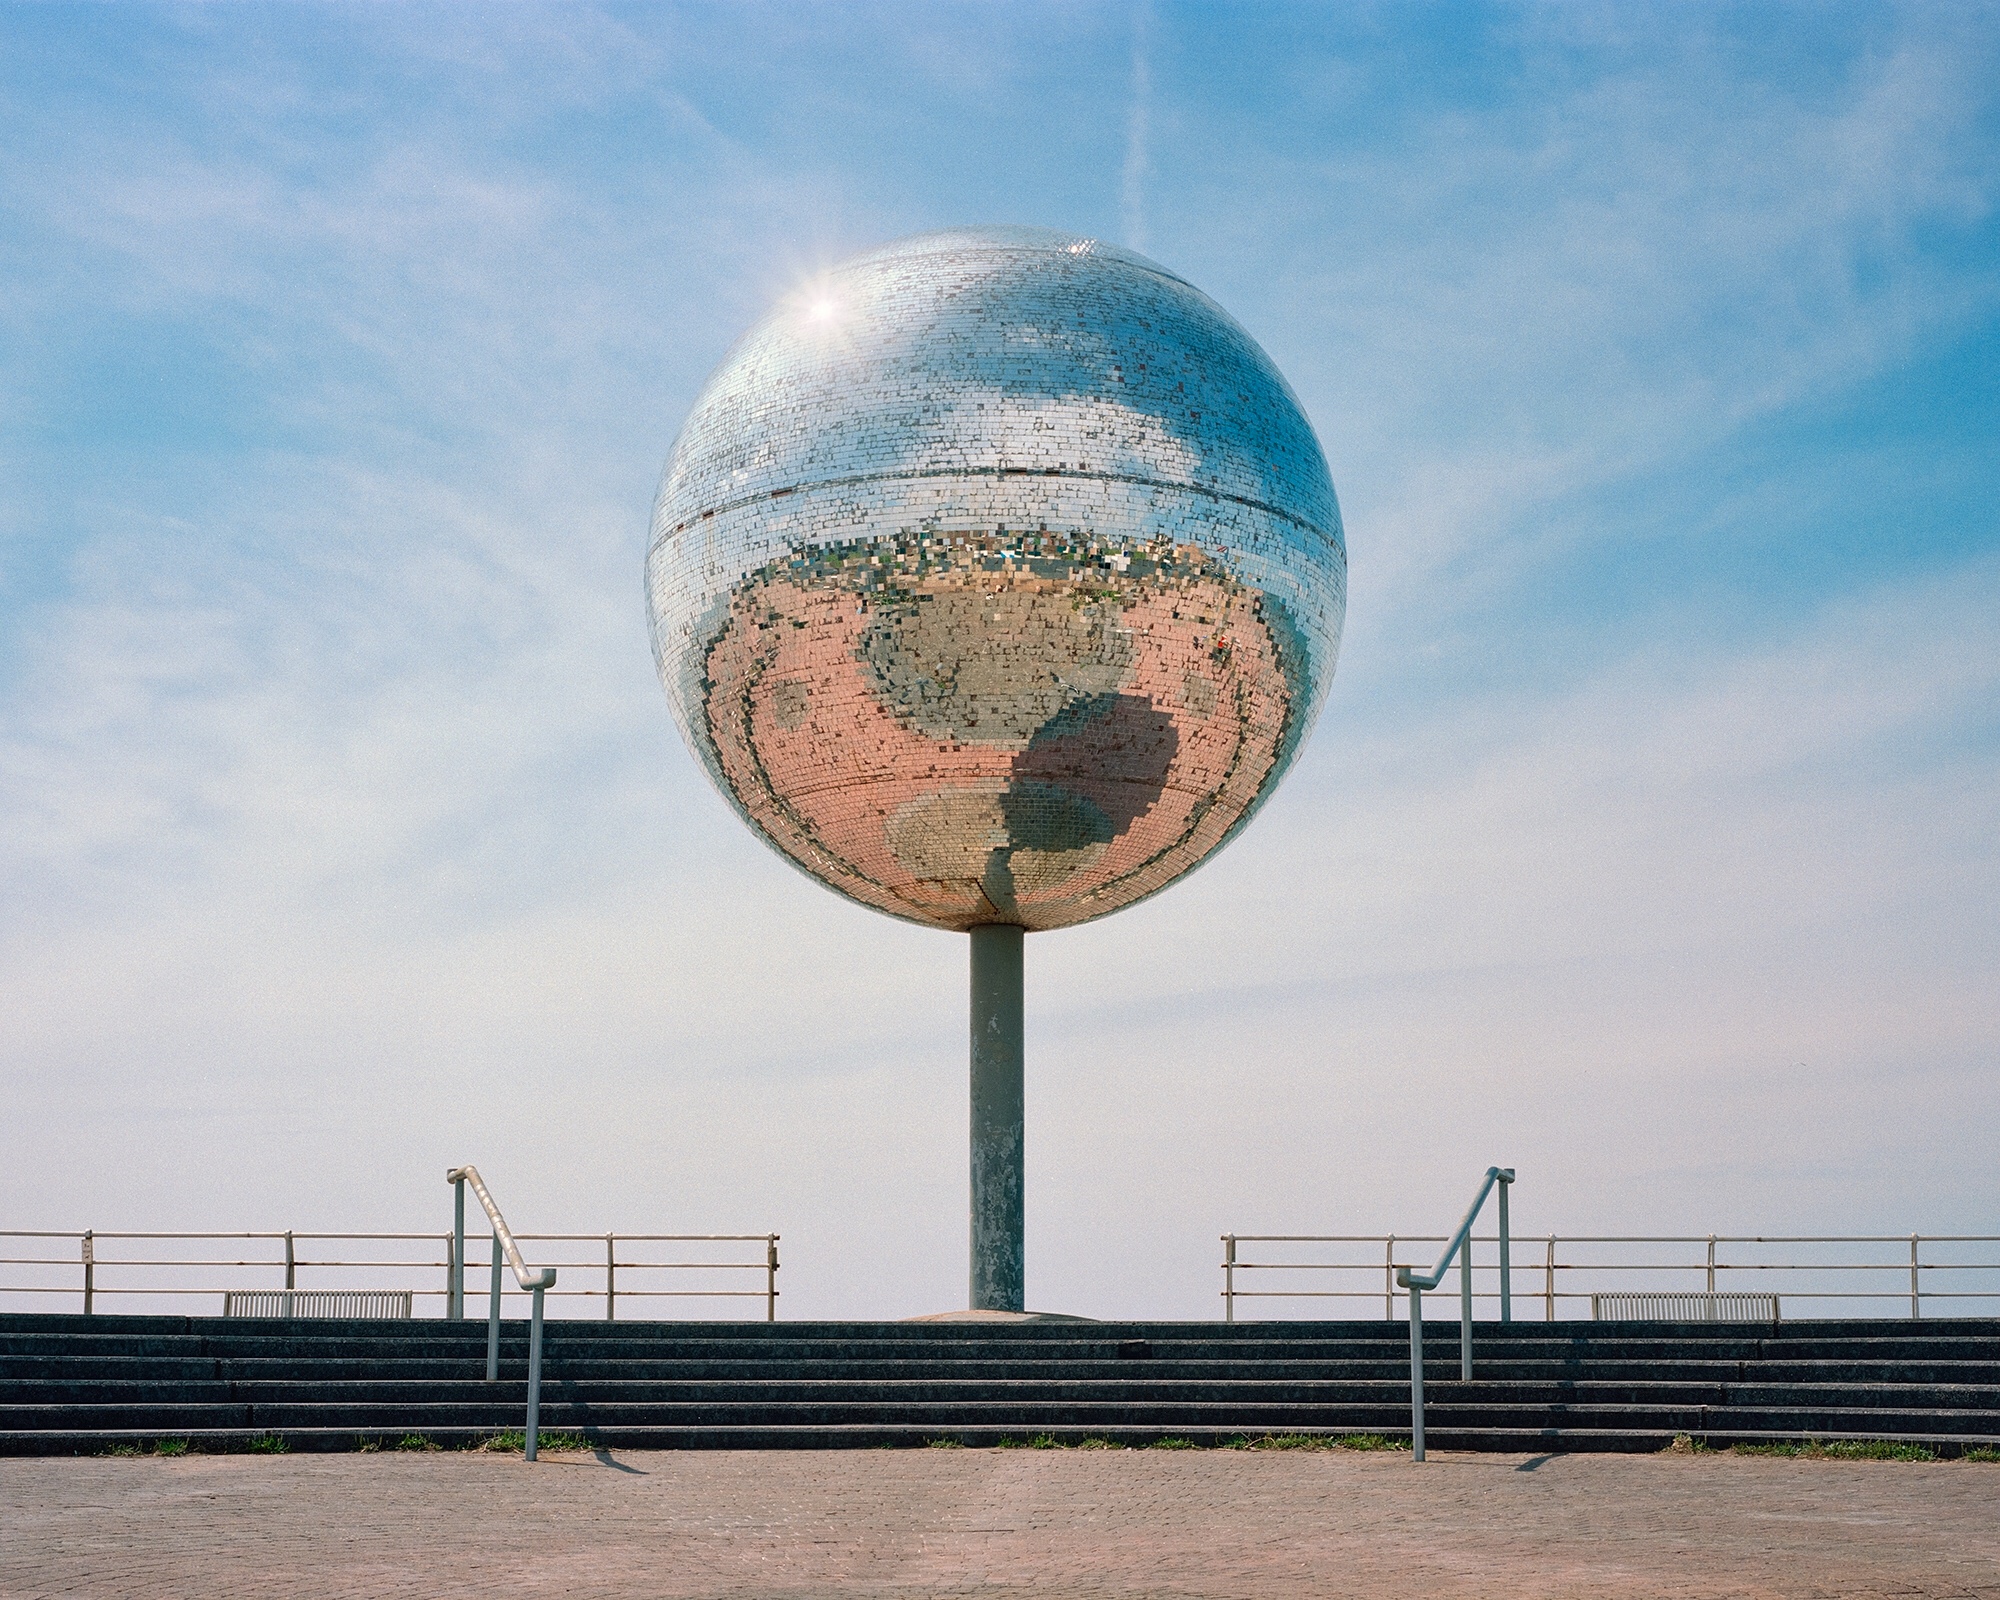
[(302, 1262), (432, 1294), (1625, 1238), (1538, 1269), (298, 1233), (1585, 1294), (1350, 1238)]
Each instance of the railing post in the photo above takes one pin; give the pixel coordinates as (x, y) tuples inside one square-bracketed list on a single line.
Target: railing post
[(454, 1283), (1465, 1310), (1506, 1258), (1389, 1279), (1416, 1373), (1711, 1263), (1916, 1291), (534, 1374), (1549, 1279), (1229, 1277), (610, 1278), (770, 1277), (493, 1318), (291, 1273), (89, 1269)]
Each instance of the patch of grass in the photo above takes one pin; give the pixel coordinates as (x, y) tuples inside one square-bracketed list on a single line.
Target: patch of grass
[(1877, 1450), (121, 1450), (1686, 1444), (1043, 1441), (517, 1439), (1319, 1441), (170, 1447), (944, 1444), (1173, 1444), (1839, 1450), (269, 1444), (1010, 1444), (418, 1441), (1098, 1444), (366, 1445), (1982, 1452)]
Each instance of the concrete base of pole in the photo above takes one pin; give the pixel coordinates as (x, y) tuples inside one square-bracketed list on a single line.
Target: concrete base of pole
[(998, 1280)]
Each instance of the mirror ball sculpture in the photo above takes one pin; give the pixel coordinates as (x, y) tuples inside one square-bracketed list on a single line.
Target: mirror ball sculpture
[(995, 579)]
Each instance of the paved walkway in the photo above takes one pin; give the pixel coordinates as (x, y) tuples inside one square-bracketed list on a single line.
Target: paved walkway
[(993, 1523)]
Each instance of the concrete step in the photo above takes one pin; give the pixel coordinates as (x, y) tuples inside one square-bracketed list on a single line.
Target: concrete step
[(778, 1392), (1165, 1417), (103, 1379), (1552, 1440)]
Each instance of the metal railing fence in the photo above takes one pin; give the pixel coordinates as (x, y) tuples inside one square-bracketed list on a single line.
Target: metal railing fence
[(1816, 1275), (59, 1270)]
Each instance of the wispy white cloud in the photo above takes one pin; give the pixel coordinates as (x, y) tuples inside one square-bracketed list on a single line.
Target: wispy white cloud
[(1501, 307)]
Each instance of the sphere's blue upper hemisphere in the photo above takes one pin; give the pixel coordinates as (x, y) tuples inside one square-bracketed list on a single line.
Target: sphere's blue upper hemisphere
[(974, 496)]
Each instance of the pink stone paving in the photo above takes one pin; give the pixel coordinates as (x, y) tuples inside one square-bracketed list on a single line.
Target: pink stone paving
[(996, 1523)]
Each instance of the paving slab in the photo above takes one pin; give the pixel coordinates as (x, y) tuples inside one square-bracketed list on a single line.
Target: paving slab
[(1179, 1525)]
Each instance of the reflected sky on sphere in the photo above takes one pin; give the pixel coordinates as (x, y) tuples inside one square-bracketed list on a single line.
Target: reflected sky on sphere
[(996, 576)]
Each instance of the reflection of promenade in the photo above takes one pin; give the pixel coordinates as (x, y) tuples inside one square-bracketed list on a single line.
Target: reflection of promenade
[(917, 1523), (975, 745)]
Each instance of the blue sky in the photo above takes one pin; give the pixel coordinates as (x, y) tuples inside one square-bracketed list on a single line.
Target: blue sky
[(1647, 842)]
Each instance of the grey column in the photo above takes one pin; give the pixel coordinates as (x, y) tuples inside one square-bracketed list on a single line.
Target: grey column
[(997, 1213)]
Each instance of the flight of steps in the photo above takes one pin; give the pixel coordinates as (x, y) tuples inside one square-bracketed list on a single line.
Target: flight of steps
[(88, 1384)]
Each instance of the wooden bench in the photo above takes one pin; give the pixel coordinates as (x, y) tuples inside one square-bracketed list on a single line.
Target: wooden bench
[(389, 1304), (1693, 1307)]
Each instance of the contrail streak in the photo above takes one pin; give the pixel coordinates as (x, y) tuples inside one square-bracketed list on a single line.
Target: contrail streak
[(1133, 196)]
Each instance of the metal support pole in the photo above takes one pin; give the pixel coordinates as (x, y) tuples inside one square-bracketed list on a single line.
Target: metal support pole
[(1549, 1279), (291, 1273), (610, 1279), (1465, 1309), (1711, 1263), (1916, 1293), (771, 1277), (1229, 1277), (493, 1320), (1416, 1373), (1389, 1279), (89, 1269), (454, 1302), (534, 1374), (1506, 1258), (997, 1277)]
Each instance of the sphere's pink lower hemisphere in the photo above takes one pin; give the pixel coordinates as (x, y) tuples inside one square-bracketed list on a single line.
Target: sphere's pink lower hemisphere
[(874, 756)]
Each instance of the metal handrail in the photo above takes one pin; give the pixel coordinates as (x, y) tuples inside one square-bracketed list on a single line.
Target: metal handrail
[(1409, 1278), (534, 1282)]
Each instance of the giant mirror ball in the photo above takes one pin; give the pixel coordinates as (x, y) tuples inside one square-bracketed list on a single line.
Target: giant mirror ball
[(996, 577)]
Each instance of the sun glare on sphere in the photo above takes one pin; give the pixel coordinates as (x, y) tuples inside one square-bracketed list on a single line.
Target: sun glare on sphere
[(998, 579)]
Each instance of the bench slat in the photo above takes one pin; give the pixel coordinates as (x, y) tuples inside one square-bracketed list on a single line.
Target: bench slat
[(1688, 1307), (390, 1304)]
